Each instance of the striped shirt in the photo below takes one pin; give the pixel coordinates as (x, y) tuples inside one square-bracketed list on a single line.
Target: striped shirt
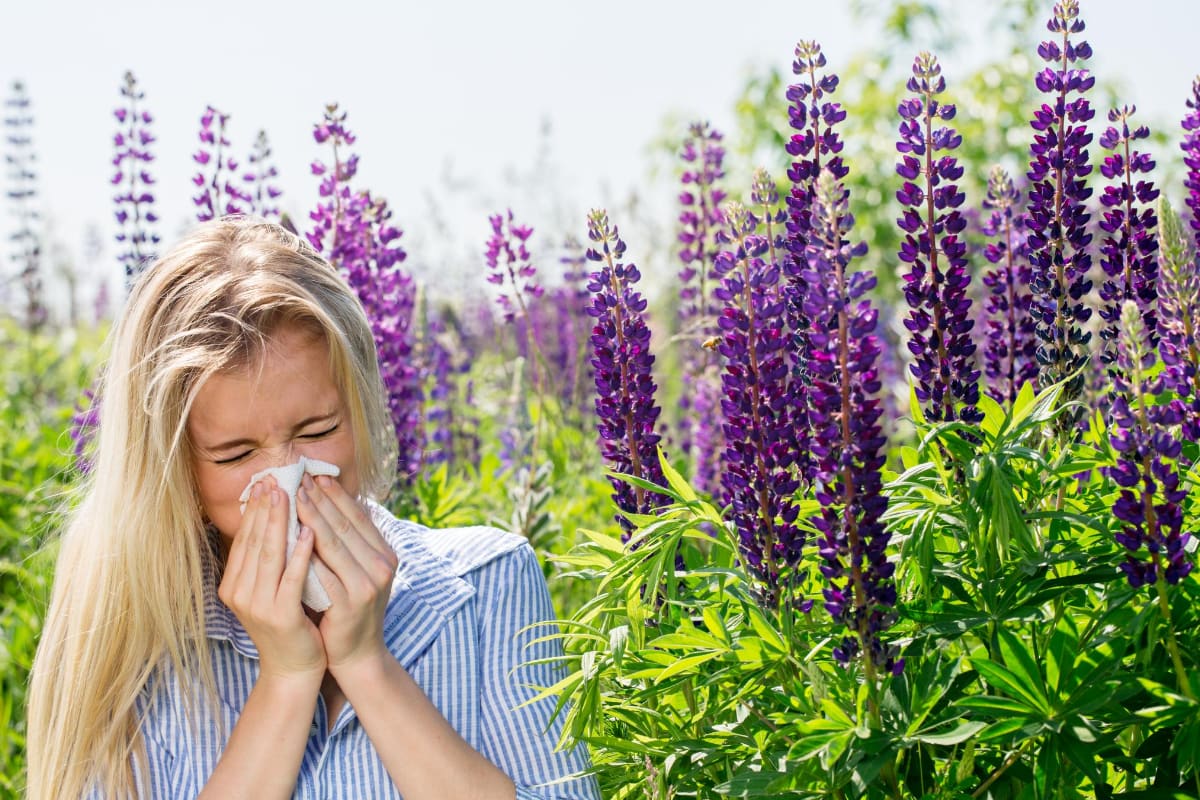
[(459, 602)]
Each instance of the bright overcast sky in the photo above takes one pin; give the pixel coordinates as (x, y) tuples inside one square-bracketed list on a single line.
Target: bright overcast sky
[(459, 89)]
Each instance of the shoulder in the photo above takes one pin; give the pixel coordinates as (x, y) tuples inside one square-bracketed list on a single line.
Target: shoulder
[(462, 550)]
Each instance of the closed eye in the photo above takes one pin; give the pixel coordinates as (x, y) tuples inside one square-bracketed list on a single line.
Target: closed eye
[(234, 459), (321, 433)]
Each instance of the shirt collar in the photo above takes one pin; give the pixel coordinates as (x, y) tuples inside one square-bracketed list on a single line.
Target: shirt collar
[(426, 592)]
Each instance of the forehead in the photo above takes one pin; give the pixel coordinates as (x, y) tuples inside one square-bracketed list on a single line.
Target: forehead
[(290, 379)]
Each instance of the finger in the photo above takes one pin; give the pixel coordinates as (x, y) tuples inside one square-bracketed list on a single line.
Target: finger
[(248, 578), (291, 585), (336, 540), (272, 548), (354, 511), (354, 528), (235, 562)]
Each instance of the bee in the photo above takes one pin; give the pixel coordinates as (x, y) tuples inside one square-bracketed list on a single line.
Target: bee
[(711, 343)]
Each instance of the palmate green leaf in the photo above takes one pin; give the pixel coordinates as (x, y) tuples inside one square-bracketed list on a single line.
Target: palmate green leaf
[(765, 631), (993, 416), (1001, 678), (1021, 665), (682, 490), (959, 733)]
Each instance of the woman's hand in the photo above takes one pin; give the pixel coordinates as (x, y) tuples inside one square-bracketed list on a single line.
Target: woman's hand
[(262, 587), (356, 567)]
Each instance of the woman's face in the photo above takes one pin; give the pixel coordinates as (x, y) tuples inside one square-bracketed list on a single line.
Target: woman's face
[(282, 406)]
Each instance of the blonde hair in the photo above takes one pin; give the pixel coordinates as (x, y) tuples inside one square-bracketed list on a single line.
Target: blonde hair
[(137, 534)]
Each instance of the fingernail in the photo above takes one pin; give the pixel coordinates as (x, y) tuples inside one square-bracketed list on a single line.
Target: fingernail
[(274, 497), (303, 495), (307, 482), (256, 491), (305, 533), (324, 481)]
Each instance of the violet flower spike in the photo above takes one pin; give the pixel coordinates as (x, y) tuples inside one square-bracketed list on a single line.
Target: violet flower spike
[(1150, 502), (814, 147), (758, 481), (1011, 350), (846, 437), (1191, 157), (137, 239), (1059, 238), (1128, 253), (626, 412), (262, 191), (27, 246), (509, 264), (218, 194), (939, 322), (1179, 317)]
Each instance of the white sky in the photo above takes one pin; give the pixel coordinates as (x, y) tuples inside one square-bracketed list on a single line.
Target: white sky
[(453, 88)]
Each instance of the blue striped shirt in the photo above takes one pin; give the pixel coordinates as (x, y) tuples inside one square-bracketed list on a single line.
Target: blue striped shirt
[(459, 602)]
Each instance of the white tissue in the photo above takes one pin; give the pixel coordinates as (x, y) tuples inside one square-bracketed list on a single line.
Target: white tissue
[(288, 478)]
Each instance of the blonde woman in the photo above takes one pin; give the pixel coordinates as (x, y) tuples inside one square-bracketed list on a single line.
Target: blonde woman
[(177, 659)]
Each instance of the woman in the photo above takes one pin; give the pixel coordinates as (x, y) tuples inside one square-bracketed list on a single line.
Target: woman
[(177, 659)]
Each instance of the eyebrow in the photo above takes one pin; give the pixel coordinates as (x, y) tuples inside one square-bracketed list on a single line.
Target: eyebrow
[(304, 423)]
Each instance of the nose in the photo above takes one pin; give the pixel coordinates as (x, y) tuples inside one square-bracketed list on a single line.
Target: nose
[(282, 455)]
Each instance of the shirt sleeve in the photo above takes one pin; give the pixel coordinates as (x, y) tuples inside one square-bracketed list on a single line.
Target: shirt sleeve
[(521, 741)]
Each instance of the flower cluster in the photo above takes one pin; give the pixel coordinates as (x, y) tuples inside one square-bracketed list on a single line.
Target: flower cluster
[(1058, 226), (18, 121), (814, 147), (263, 193), (1128, 252), (1149, 504), (1179, 317), (847, 440), (85, 421), (353, 230), (1011, 349), (1191, 157), (508, 260), (939, 321), (219, 192), (625, 407), (134, 200), (758, 481)]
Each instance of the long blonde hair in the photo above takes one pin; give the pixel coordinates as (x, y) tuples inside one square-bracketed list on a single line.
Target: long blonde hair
[(137, 537)]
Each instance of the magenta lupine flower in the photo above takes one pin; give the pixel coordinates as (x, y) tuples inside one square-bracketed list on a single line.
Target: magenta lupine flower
[(510, 265), (18, 123), (1148, 450), (1191, 157), (219, 194), (355, 233), (814, 147), (939, 321), (1011, 350), (438, 388), (846, 440), (137, 239), (758, 481), (626, 412), (1128, 253), (1058, 227), (261, 190), (1179, 317)]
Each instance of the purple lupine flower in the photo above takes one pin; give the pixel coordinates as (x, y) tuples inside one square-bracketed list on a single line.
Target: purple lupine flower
[(437, 377), (18, 122), (219, 194), (1058, 226), (576, 299), (939, 322), (758, 482), (847, 441), (134, 200), (699, 225), (261, 190), (354, 231), (1128, 252), (708, 438), (1011, 349), (1150, 501), (85, 421), (508, 260), (1191, 157), (1179, 317), (626, 412), (814, 147)]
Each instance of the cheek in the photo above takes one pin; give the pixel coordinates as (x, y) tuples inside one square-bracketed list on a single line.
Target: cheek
[(219, 492)]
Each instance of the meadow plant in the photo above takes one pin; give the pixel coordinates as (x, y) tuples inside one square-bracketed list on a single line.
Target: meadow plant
[(219, 193), (1128, 251), (1058, 219), (758, 480), (847, 440), (1179, 317), (1191, 157), (935, 287), (22, 192), (137, 238), (626, 412), (510, 265), (262, 192), (1010, 354)]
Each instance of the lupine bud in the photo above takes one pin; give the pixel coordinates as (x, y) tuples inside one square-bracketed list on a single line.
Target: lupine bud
[(939, 322)]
